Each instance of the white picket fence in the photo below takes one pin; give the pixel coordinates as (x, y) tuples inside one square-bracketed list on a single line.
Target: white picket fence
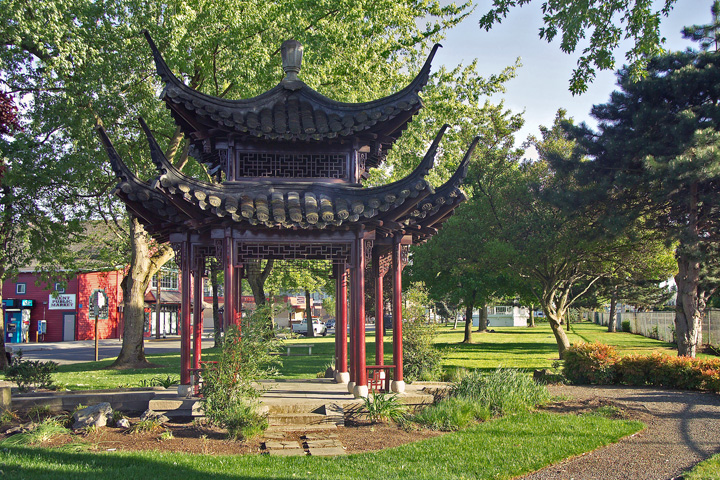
[(661, 325)]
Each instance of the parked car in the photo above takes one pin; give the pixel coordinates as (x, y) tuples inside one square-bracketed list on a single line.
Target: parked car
[(318, 327), (330, 324)]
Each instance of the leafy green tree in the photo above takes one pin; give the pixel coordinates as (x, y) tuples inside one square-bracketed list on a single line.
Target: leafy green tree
[(605, 23), (83, 63)]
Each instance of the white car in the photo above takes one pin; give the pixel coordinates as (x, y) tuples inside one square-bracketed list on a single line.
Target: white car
[(318, 327)]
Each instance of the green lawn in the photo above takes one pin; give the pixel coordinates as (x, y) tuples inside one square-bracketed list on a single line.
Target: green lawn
[(512, 347), (498, 449), (707, 470)]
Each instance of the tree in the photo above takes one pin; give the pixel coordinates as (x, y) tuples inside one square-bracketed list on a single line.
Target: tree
[(604, 20), (84, 63), (32, 228), (655, 160)]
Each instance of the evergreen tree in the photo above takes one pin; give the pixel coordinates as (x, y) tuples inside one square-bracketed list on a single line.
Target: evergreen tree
[(656, 160)]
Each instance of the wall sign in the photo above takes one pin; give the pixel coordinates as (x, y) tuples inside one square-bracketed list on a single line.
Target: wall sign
[(65, 301)]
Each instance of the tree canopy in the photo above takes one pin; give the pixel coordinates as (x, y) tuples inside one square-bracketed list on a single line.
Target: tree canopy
[(598, 27)]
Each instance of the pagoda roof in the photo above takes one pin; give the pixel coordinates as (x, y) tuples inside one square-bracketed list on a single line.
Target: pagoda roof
[(293, 111), (174, 202)]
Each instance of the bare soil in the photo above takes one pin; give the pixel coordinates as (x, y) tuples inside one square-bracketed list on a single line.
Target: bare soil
[(200, 438)]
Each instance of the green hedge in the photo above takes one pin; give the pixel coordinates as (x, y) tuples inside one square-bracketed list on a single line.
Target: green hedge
[(599, 364)]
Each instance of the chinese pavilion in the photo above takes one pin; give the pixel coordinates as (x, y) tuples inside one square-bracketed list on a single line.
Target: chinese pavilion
[(287, 167)]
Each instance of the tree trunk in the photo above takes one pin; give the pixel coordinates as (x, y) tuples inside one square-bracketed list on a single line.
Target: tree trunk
[(482, 318), (217, 319), (135, 284), (3, 359), (456, 322), (308, 314), (612, 323), (468, 324), (689, 307), (256, 276), (560, 336), (532, 316)]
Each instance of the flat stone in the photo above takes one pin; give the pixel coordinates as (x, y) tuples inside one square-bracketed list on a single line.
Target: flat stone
[(327, 452), (96, 416), (153, 415), (282, 445), (321, 443), (275, 436), (287, 452), (319, 435)]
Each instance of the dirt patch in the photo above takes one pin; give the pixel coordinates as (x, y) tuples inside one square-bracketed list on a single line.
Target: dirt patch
[(598, 405), (200, 438)]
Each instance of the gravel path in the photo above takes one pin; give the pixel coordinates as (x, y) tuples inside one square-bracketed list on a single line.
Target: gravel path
[(683, 428)]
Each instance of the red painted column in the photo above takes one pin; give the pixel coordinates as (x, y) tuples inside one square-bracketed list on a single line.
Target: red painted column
[(186, 314), (238, 301), (342, 319), (397, 309), (358, 293), (198, 312), (229, 270), (379, 313)]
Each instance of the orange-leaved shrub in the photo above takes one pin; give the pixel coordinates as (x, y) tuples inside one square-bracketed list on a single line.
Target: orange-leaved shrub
[(592, 363), (596, 363)]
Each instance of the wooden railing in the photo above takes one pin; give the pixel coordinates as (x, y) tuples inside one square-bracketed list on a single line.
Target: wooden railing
[(379, 377)]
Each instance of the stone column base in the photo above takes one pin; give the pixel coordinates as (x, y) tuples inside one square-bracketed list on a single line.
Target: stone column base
[(397, 386), (185, 390), (342, 377), (351, 387), (360, 391)]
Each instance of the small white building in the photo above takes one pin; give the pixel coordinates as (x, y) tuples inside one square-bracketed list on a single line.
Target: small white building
[(504, 316)]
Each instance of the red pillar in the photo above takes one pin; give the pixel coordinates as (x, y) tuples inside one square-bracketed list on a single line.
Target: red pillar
[(358, 296), (379, 313), (341, 319), (238, 301), (229, 270), (198, 313), (186, 314), (397, 308)]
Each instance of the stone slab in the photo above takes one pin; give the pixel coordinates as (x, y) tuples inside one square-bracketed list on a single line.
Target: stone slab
[(327, 452), (320, 435), (322, 443), (287, 452), (282, 444)]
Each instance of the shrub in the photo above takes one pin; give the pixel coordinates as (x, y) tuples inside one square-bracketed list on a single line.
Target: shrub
[(590, 363), (383, 407), (503, 391), (452, 413), (228, 388), (667, 371), (626, 326), (46, 430), (27, 373), (159, 381)]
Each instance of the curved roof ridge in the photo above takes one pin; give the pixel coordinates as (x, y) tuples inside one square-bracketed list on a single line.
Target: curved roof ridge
[(122, 171), (163, 70)]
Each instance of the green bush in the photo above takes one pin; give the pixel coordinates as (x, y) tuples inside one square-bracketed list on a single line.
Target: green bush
[(626, 326), (452, 413), (381, 407), (228, 386), (590, 363), (421, 360), (27, 373), (504, 391), (599, 364)]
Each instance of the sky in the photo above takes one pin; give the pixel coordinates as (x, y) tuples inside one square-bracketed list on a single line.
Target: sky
[(541, 85)]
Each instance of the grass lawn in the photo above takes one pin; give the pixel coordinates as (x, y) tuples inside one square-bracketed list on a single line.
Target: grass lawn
[(707, 470), (511, 347), (498, 449)]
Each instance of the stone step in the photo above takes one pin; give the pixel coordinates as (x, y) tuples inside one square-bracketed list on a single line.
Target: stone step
[(329, 414), (174, 406)]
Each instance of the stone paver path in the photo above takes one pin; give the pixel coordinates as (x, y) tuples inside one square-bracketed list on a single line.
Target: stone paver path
[(319, 444)]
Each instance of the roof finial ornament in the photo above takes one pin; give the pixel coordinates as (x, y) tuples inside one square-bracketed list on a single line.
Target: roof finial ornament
[(292, 53)]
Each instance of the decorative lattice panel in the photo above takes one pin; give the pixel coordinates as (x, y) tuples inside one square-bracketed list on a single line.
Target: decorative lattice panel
[(292, 165), (318, 251)]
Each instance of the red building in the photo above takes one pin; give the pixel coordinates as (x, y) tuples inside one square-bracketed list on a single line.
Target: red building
[(67, 313)]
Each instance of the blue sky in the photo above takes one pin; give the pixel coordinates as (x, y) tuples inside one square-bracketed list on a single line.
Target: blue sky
[(541, 85)]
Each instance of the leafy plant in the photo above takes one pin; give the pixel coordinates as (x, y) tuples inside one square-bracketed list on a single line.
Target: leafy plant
[(166, 382), (590, 363), (229, 390), (503, 391), (147, 426), (27, 373), (381, 407), (8, 416), (626, 326), (452, 413), (38, 412), (46, 430), (421, 359), (166, 435)]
